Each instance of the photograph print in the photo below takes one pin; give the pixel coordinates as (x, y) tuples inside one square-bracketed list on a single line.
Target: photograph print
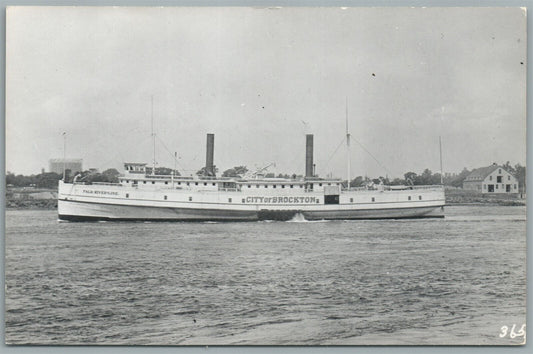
[(265, 176)]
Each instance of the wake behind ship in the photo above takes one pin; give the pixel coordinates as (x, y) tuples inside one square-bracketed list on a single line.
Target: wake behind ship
[(148, 197)]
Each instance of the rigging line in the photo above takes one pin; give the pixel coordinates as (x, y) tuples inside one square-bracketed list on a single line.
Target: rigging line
[(334, 152), (375, 159), (172, 154)]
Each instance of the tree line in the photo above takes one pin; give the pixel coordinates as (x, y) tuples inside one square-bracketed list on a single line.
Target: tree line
[(427, 177)]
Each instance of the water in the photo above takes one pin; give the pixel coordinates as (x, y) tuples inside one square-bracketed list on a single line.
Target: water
[(438, 281)]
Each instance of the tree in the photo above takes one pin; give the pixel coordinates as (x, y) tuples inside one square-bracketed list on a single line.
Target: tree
[(111, 175), (458, 181), (357, 181), (397, 182), (203, 171), (509, 168), (410, 177), (237, 171), (520, 174), (47, 180)]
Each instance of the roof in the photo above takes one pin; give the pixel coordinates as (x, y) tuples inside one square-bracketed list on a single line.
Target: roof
[(480, 174)]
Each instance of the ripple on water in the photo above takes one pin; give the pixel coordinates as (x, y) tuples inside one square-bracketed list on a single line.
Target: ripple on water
[(340, 282)]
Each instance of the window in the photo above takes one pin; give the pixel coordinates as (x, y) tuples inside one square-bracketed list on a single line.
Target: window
[(301, 185), (144, 182), (257, 186), (500, 170), (320, 184), (214, 184), (419, 197), (499, 179), (249, 186), (282, 186), (292, 186), (165, 197), (329, 184), (166, 182), (515, 186), (409, 198), (188, 183), (318, 201), (127, 195), (127, 181), (373, 199), (490, 178), (195, 183), (496, 186), (274, 186), (205, 183), (153, 182), (190, 199), (351, 200), (508, 178), (229, 200), (266, 186)]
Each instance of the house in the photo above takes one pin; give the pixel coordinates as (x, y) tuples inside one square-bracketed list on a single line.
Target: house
[(491, 179)]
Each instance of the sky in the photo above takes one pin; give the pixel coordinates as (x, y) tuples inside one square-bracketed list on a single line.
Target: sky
[(260, 79)]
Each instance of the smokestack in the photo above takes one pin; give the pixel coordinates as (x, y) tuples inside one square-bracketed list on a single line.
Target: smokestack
[(309, 155), (209, 168)]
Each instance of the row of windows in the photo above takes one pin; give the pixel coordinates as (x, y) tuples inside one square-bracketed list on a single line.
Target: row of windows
[(179, 183), (351, 199), (374, 199), (503, 186), (249, 186), (499, 178)]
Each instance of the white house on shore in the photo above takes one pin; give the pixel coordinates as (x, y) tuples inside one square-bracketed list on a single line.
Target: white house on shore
[(492, 179)]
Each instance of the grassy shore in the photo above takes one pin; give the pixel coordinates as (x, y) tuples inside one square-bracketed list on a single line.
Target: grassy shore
[(466, 197), (31, 198)]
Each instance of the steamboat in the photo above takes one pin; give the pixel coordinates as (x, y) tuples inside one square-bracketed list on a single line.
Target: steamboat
[(144, 196)]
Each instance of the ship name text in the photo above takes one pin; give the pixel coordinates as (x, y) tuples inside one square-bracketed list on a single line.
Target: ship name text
[(88, 191), (278, 200)]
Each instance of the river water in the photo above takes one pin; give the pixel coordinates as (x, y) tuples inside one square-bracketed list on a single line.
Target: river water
[(456, 280)]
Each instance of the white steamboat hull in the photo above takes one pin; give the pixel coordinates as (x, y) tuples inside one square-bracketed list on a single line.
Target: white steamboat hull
[(82, 203)]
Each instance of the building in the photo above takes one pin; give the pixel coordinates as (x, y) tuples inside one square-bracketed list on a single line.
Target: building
[(72, 165), (492, 179)]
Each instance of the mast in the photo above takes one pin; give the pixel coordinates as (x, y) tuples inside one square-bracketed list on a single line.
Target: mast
[(349, 165), (64, 154), (153, 136), (440, 152)]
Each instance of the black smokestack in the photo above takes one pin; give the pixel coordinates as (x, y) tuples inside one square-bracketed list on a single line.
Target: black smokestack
[(209, 167), (309, 155)]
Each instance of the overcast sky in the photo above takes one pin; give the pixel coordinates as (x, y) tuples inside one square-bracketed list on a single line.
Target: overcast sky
[(260, 79)]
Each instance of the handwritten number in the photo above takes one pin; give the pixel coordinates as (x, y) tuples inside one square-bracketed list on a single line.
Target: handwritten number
[(513, 334), (504, 330), (522, 331)]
